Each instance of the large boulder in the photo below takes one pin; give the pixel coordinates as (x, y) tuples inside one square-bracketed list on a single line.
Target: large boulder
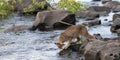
[(102, 50), (116, 25), (57, 19), (19, 6), (111, 51), (91, 50), (101, 10), (114, 5), (89, 15)]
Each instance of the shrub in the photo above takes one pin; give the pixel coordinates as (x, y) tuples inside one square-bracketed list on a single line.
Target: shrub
[(5, 8), (71, 5)]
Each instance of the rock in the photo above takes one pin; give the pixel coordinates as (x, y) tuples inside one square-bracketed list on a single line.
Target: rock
[(115, 16), (19, 6), (52, 19), (116, 25), (97, 49), (111, 4), (114, 5), (110, 51), (92, 23), (101, 10), (98, 36), (118, 32), (116, 8), (82, 14), (89, 15), (115, 38), (91, 50), (96, 0), (17, 28), (101, 50), (104, 1)]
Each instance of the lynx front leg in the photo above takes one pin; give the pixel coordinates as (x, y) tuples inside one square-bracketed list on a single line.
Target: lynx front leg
[(67, 45)]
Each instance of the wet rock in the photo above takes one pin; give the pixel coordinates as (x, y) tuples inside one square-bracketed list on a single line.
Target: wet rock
[(111, 4), (91, 50), (19, 6), (17, 28), (118, 32), (92, 23), (82, 14), (104, 1), (98, 36), (89, 15), (110, 51), (96, 0), (115, 38), (115, 16), (116, 25), (114, 5), (101, 50), (116, 8), (53, 19), (101, 10)]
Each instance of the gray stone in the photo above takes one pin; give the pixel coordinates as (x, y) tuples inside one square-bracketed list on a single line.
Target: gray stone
[(52, 19), (101, 10), (115, 16), (89, 15), (114, 5), (116, 25), (104, 1), (92, 23), (110, 51)]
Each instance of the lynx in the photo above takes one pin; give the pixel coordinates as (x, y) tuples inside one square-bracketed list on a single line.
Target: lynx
[(73, 32)]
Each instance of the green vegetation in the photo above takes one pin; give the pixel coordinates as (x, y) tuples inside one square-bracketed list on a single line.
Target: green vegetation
[(71, 5), (34, 3), (5, 8)]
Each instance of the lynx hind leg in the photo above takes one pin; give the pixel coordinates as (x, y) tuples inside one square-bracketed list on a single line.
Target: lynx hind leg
[(67, 45), (87, 35)]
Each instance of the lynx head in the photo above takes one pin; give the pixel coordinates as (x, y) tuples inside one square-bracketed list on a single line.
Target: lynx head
[(59, 45)]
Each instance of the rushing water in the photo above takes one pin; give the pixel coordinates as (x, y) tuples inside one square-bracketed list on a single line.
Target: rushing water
[(38, 45)]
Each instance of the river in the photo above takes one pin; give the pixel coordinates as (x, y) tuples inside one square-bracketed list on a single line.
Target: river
[(38, 45)]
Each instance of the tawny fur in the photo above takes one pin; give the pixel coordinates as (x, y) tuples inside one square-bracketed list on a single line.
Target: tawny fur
[(73, 32)]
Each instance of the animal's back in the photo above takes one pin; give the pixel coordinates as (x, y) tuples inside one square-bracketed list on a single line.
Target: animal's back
[(73, 31)]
